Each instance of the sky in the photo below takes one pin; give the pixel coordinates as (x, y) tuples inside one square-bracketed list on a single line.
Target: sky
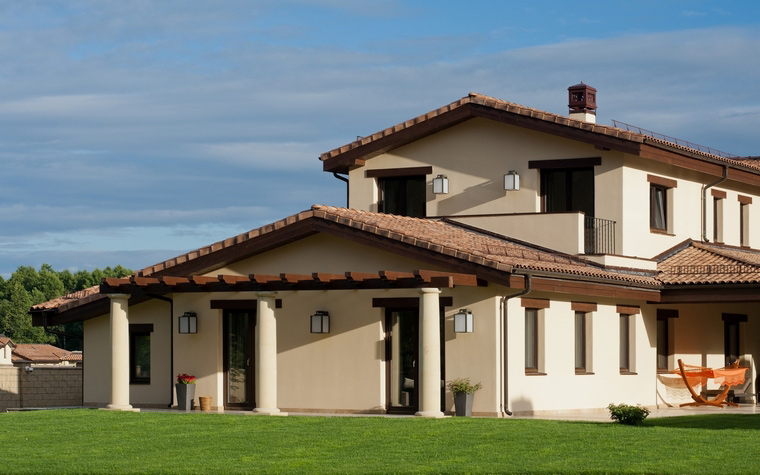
[(134, 131)]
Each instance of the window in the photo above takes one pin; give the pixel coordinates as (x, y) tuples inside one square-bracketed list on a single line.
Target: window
[(531, 340), (664, 338), (139, 353), (581, 343), (569, 189), (732, 336), (658, 208), (660, 203), (718, 197), (404, 196), (625, 343), (744, 202)]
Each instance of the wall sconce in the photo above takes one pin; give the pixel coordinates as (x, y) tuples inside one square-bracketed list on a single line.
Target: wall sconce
[(463, 321), (512, 181), (440, 185), (320, 322), (188, 323)]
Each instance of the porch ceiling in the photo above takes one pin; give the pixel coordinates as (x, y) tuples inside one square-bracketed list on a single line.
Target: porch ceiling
[(285, 281)]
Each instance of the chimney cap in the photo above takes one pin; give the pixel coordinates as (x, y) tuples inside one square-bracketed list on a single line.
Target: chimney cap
[(582, 98)]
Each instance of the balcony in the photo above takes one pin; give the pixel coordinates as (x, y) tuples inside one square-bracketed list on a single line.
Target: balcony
[(571, 232), (599, 236)]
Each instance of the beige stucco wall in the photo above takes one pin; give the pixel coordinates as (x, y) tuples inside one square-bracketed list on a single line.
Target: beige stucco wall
[(322, 253), (97, 347), (560, 388), (476, 154)]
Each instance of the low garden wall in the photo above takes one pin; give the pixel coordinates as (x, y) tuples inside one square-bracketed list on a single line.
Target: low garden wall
[(46, 386)]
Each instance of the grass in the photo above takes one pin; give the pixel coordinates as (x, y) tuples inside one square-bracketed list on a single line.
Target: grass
[(91, 441)]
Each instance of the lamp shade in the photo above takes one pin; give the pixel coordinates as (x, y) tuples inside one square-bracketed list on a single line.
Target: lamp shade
[(188, 323), (512, 181), (463, 321), (320, 322), (440, 185)]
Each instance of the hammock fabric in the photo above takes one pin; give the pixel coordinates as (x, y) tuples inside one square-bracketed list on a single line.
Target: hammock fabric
[(696, 376)]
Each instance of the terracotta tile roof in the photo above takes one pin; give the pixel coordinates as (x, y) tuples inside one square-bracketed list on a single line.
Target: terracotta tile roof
[(703, 263), (437, 235), (40, 353), (4, 340), (76, 298), (502, 105)]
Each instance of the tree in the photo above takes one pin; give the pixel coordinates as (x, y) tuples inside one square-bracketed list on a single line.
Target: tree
[(27, 287)]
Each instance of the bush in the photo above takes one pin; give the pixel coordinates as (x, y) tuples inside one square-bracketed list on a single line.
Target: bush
[(628, 415), (462, 385)]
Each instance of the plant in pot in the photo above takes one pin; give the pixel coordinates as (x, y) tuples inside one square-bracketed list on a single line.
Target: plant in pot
[(185, 391), (464, 392)]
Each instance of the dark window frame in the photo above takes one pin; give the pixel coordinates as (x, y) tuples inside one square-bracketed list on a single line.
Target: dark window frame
[(408, 187), (579, 333), (136, 333), (625, 342), (658, 208), (572, 178), (531, 333)]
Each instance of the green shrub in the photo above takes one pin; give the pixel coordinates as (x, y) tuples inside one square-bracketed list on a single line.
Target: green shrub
[(628, 415), (462, 385)]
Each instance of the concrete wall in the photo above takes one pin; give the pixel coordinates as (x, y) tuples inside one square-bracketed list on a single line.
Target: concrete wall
[(46, 386)]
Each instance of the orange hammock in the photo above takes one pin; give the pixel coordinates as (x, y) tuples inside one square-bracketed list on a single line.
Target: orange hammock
[(697, 375)]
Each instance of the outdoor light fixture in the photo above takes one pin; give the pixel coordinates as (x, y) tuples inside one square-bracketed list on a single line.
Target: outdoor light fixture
[(512, 181), (188, 323), (463, 321), (320, 322), (440, 185)]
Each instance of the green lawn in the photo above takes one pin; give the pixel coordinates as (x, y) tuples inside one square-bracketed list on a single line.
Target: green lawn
[(91, 441)]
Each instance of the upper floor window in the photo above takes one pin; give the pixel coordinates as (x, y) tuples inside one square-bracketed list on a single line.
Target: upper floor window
[(404, 196), (567, 185), (401, 191), (660, 203), (718, 197), (744, 202)]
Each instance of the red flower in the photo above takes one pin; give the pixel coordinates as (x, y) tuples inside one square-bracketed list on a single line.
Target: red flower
[(185, 378)]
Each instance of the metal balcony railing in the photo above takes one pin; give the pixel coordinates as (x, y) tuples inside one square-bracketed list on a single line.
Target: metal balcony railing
[(599, 236)]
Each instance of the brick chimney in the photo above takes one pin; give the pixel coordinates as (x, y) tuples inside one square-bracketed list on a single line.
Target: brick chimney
[(582, 102)]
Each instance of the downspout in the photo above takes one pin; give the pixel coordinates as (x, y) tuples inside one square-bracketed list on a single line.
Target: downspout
[(341, 178), (704, 201), (171, 341), (504, 360)]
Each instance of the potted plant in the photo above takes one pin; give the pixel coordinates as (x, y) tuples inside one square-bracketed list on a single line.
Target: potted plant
[(464, 392), (185, 391)]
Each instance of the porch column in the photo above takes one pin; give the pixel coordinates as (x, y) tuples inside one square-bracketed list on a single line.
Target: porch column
[(266, 354), (119, 352), (430, 354)]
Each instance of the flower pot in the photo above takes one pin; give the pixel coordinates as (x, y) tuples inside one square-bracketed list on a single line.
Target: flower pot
[(463, 404), (205, 402), (185, 394)]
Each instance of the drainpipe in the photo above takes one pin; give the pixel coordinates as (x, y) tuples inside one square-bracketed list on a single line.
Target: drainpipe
[(504, 360), (704, 201), (171, 341), (341, 178)]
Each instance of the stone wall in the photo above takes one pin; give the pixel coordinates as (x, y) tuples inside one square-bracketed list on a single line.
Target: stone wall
[(46, 386)]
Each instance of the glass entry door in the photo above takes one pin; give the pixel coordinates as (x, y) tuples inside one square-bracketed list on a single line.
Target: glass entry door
[(238, 359), (402, 355)]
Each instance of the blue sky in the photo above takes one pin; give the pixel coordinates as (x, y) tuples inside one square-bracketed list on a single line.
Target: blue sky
[(133, 131)]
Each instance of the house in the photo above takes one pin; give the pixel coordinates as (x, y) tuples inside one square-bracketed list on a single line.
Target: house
[(6, 349), (43, 354), (564, 264)]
